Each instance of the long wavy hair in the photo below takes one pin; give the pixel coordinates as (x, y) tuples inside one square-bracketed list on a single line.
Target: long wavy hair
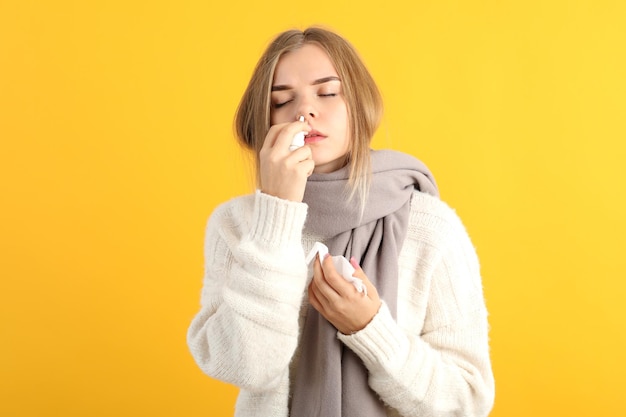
[(362, 97)]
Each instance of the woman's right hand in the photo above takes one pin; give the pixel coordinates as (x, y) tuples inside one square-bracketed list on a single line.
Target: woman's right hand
[(283, 173)]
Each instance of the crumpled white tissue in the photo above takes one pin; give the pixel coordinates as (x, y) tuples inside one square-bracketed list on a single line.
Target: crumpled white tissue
[(342, 265)]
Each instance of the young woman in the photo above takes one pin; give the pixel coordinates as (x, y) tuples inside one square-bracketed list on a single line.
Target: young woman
[(303, 341)]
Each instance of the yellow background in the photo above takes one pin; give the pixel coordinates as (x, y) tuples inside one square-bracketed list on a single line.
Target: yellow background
[(116, 145)]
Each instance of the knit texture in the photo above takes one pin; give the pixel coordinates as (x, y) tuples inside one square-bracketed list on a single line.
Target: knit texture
[(432, 360)]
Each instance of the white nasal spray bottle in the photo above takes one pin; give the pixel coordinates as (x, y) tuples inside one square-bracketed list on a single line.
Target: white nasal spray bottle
[(298, 139)]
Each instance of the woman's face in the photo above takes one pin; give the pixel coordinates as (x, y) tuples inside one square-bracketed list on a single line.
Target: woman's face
[(306, 84)]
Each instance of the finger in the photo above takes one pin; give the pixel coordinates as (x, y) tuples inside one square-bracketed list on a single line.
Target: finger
[(286, 135), (310, 167), (320, 290), (314, 299), (303, 160), (321, 282), (272, 134), (303, 153), (305, 168), (338, 283), (359, 273)]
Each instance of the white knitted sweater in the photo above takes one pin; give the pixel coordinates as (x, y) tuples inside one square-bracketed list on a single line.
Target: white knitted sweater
[(432, 361)]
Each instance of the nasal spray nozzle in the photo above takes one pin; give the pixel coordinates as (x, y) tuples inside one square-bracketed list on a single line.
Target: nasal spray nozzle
[(298, 139)]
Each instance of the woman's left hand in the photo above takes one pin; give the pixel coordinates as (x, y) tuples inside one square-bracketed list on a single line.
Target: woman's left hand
[(338, 300)]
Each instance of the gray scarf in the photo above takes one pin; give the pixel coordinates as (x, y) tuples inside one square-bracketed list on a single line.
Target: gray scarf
[(331, 381)]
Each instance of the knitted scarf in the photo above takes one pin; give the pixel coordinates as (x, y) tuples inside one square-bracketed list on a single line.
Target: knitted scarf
[(330, 380)]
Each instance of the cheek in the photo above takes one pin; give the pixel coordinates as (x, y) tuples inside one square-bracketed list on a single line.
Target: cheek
[(273, 118), (341, 119), (278, 116), (339, 113)]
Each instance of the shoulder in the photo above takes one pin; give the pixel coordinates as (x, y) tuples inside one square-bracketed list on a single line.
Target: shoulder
[(433, 218), (424, 203)]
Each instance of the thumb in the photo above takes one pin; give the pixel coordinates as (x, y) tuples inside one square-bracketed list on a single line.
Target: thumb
[(358, 273)]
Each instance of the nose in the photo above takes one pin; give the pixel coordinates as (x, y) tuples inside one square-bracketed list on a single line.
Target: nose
[(307, 109)]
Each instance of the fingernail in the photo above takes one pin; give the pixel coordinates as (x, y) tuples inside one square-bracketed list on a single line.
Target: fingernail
[(354, 262), (327, 255)]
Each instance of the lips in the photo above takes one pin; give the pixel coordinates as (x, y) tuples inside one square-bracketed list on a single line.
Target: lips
[(314, 136)]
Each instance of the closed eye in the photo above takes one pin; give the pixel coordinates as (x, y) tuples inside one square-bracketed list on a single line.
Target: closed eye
[(279, 105)]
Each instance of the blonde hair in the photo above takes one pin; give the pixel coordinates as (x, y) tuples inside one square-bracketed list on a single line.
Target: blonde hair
[(363, 100)]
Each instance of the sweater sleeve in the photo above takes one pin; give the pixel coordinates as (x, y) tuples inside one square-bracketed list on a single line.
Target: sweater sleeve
[(442, 369), (247, 328)]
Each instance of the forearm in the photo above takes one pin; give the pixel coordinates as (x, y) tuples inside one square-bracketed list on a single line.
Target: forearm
[(443, 373), (229, 346), (247, 329)]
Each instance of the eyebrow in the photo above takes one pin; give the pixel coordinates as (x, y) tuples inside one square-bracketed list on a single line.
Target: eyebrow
[(316, 82)]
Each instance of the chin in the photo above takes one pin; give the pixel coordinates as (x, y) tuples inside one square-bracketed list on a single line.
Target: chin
[(326, 166)]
